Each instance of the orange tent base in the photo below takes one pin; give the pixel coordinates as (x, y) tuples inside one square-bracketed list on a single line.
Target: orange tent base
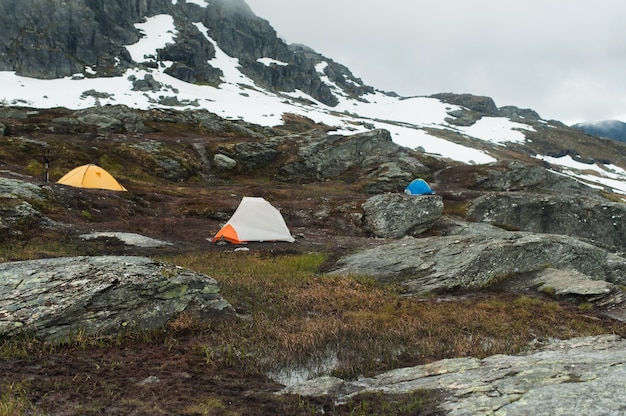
[(227, 233)]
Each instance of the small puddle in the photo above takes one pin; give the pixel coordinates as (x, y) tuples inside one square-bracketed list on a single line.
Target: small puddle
[(289, 376)]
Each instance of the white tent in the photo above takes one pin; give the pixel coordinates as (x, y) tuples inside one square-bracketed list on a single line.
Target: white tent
[(254, 220)]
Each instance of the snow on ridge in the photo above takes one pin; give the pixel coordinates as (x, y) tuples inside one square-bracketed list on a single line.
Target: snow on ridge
[(201, 3), (228, 65), (270, 61), (610, 176), (238, 97), (498, 130)]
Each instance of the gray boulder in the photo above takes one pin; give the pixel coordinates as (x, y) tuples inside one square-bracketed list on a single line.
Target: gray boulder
[(573, 377), (573, 284), (224, 162), (54, 298), (478, 261), (397, 215)]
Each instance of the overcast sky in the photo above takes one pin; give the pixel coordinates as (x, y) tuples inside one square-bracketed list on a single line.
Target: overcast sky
[(565, 59)]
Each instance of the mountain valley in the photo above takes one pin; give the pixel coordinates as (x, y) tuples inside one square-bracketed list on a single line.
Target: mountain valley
[(191, 106)]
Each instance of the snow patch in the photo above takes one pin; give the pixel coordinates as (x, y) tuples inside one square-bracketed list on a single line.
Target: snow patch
[(157, 31), (270, 61)]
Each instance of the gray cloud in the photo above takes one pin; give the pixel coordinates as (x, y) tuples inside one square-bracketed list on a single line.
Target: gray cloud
[(563, 58)]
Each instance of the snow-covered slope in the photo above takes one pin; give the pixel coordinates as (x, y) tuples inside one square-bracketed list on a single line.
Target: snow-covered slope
[(411, 121)]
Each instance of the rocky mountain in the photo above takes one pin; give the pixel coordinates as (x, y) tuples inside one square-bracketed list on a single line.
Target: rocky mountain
[(220, 57), (57, 39), (611, 129), (193, 104)]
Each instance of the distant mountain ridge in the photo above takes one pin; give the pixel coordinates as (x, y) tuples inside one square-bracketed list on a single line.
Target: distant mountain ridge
[(611, 129)]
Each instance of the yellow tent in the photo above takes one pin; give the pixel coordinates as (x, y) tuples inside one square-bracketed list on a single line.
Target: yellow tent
[(91, 176)]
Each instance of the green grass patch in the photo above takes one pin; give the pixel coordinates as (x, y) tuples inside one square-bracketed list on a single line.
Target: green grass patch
[(14, 399)]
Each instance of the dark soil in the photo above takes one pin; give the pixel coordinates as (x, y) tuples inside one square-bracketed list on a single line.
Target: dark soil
[(153, 379)]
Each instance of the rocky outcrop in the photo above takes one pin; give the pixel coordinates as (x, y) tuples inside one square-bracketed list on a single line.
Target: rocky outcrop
[(54, 298), (115, 119), (569, 284), (595, 219), (17, 214), (523, 197), (55, 39), (371, 159), (479, 261), (520, 114), (59, 38), (577, 376), (132, 239), (520, 177), (107, 119), (395, 215), (473, 108)]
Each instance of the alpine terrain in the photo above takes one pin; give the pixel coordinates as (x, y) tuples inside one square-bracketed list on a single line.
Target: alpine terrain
[(198, 218)]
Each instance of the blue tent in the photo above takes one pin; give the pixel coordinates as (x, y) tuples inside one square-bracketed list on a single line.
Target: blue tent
[(418, 187)]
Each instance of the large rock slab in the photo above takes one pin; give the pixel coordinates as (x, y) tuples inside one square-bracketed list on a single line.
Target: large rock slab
[(573, 284), (19, 189), (54, 298), (573, 377), (591, 218), (477, 261)]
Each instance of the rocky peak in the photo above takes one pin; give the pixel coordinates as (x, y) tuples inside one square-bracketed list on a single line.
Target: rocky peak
[(56, 39)]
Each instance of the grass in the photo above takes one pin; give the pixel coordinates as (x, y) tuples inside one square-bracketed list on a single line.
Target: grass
[(381, 404), (14, 399), (209, 407), (37, 244), (370, 328)]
